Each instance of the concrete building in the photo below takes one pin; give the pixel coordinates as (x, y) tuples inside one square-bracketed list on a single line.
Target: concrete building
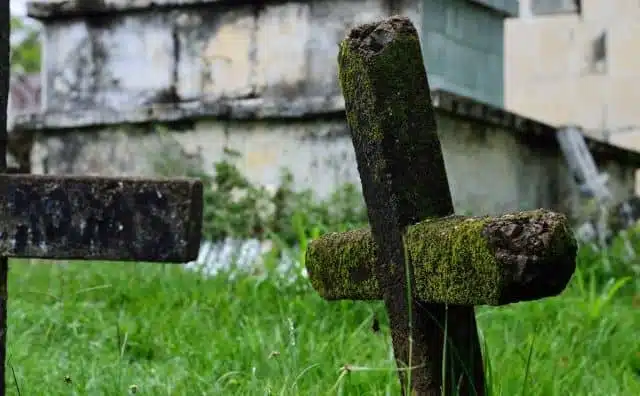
[(260, 78), (577, 65)]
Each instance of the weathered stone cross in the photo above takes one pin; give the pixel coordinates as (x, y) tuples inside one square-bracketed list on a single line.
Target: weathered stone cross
[(431, 268), (88, 218)]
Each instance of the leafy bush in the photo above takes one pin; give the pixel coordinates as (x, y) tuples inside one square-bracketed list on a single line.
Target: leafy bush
[(621, 260), (235, 207)]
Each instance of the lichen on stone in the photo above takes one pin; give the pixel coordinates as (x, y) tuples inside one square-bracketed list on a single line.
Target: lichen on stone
[(456, 264), (391, 116), (454, 260), (341, 265)]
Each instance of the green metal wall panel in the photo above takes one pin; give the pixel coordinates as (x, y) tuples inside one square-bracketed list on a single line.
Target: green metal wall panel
[(463, 48), (509, 7)]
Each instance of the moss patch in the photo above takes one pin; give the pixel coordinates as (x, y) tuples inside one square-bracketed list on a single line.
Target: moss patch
[(454, 260), (341, 266), (392, 120), (456, 265)]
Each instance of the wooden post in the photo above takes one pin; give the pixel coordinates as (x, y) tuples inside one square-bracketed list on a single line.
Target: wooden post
[(429, 268)]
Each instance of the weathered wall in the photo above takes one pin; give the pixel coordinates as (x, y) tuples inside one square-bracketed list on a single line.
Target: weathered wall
[(269, 50), (272, 51), (556, 77), (490, 169)]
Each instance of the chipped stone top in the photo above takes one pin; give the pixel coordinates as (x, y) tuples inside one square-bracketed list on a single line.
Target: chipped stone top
[(58, 9)]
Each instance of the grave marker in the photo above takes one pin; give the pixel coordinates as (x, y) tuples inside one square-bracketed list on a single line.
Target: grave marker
[(428, 266), (5, 19), (90, 218)]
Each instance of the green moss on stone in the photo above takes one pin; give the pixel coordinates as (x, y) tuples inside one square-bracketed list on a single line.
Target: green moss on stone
[(341, 266), (452, 261), (379, 76), (456, 263), (391, 117)]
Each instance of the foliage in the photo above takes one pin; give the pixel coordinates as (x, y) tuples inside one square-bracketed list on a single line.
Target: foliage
[(236, 207), (26, 49), (620, 260), (107, 328), (170, 331)]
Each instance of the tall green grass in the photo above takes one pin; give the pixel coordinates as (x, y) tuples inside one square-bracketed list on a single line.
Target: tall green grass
[(120, 328)]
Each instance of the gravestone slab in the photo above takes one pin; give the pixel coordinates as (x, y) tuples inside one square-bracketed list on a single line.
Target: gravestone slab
[(100, 218)]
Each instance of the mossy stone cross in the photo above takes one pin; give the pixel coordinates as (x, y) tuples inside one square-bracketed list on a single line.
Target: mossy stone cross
[(88, 218), (429, 266)]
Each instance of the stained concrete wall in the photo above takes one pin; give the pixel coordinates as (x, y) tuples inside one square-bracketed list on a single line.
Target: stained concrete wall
[(122, 59), (551, 73), (491, 167), (278, 51), (489, 170)]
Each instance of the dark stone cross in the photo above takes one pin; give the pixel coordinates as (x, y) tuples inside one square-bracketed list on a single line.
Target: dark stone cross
[(429, 266), (88, 218)]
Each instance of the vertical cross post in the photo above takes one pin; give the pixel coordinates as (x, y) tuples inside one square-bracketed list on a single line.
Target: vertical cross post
[(430, 268), (5, 19), (393, 128)]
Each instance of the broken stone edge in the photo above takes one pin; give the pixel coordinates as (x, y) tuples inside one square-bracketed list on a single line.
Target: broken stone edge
[(59, 9)]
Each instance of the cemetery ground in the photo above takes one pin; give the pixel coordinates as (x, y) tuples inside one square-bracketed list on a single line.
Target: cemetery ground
[(134, 328), (118, 328)]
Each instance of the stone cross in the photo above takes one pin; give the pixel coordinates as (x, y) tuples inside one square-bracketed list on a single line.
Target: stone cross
[(429, 266), (88, 218)]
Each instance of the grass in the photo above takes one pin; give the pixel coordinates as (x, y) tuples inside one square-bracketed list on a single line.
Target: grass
[(119, 328)]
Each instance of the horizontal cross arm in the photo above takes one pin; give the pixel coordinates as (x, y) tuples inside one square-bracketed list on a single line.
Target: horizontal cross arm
[(123, 219), (456, 260)]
